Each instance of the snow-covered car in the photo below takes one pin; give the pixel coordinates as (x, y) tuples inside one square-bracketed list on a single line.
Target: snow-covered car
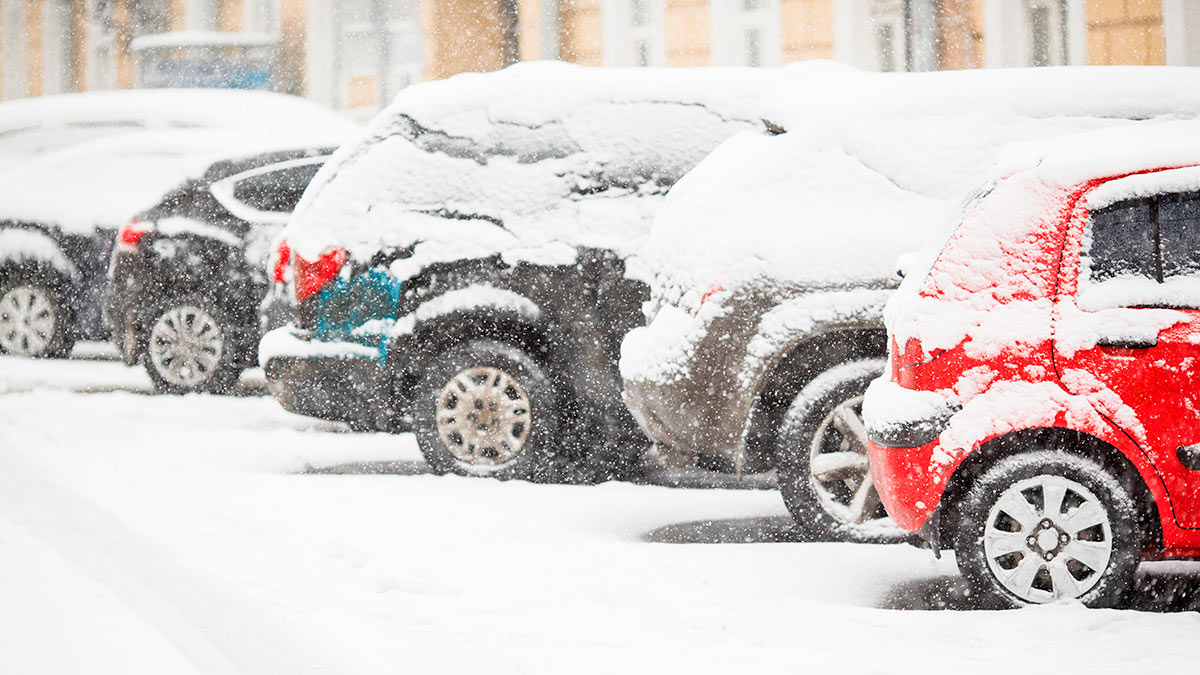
[(1041, 414), (187, 275), (773, 259), (60, 211), (460, 270)]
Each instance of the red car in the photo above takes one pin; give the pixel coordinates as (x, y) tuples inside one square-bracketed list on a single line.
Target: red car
[(1042, 412)]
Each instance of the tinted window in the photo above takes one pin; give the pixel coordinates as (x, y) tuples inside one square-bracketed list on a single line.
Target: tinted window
[(1179, 232), (277, 191), (1123, 241)]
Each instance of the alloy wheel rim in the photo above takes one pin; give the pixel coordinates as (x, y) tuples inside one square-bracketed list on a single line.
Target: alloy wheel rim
[(186, 344), (483, 417), (1048, 538), (27, 321), (839, 470)]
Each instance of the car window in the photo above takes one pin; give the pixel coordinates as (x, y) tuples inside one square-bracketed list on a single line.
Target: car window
[(275, 191), (1179, 234), (1122, 242)]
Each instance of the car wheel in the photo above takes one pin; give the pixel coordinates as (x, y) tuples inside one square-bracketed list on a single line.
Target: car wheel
[(821, 459), (188, 349), (33, 320), (1041, 527), (486, 408)]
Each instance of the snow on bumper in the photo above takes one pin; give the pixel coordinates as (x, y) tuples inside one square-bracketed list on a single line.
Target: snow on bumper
[(903, 426), (333, 380), (903, 418)]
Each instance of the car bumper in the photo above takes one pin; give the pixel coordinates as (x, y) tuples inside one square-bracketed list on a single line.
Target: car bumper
[(902, 430), (678, 384), (338, 381)]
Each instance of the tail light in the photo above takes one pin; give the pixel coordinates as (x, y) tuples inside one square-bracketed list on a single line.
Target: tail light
[(309, 277), (131, 233), (282, 263)]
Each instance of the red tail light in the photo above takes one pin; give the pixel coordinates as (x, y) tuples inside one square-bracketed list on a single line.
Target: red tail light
[(132, 232), (311, 276), (282, 263)]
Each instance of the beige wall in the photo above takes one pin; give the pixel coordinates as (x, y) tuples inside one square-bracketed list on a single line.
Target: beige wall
[(961, 25), (462, 36), (581, 31), (807, 29), (1125, 32), (688, 35)]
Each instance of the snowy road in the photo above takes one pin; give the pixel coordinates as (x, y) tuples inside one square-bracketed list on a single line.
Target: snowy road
[(144, 534)]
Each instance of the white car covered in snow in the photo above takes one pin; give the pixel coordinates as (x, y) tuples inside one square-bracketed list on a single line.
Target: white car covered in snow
[(773, 259)]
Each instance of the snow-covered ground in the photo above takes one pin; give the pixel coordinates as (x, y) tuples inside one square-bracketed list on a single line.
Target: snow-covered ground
[(150, 534)]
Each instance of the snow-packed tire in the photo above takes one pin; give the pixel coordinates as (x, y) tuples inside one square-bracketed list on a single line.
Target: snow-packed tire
[(486, 408), (189, 349), (1045, 526), (821, 459), (34, 318)]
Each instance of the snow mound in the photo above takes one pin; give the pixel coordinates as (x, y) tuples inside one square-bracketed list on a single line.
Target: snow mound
[(531, 162), (873, 164)]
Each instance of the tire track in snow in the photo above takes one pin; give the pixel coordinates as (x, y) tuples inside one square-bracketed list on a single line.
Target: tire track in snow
[(220, 628)]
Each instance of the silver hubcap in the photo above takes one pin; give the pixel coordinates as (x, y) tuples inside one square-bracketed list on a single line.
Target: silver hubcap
[(838, 467), (186, 345), (26, 321), (483, 417), (1047, 538)]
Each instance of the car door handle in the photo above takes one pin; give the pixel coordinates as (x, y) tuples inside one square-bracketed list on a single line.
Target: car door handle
[(1127, 342)]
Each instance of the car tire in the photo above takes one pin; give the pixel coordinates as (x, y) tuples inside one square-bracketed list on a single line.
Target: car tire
[(821, 460), (35, 319), (486, 408), (189, 348), (1056, 550)]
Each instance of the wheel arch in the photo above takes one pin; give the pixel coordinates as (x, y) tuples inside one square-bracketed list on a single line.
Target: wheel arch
[(1131, 473), (794, 369), (435, 335)]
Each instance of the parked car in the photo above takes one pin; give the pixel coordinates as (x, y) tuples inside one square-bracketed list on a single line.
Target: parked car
[(460, 269), (80, 177), (1041, 414), (187, 274), (773, 259)]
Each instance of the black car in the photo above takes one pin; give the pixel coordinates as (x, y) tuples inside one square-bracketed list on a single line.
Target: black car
[(464, 270), (75, 167), (187, 275)]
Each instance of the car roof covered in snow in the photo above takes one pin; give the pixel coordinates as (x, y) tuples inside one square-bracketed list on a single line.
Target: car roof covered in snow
[(103, 183), (874, 164), (531, 162), (34, 126)]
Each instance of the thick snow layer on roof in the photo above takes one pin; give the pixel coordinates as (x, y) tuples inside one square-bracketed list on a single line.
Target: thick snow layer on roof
[(539, 158), (30, 127), (103, 183), (873, 162)]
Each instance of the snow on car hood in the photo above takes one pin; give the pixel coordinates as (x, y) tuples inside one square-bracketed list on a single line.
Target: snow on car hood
[(530, 162), (873, 164)]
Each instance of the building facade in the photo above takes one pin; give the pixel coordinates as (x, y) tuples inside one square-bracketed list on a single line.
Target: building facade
[(354, 54)]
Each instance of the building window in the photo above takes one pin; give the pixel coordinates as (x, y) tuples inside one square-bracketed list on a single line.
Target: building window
[(1048, 41), (891, 51), (634, 33), (746, 32)]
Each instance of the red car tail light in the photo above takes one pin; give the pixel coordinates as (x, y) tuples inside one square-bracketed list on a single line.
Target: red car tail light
[(310, 277), (282, 263), (131, 233)]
